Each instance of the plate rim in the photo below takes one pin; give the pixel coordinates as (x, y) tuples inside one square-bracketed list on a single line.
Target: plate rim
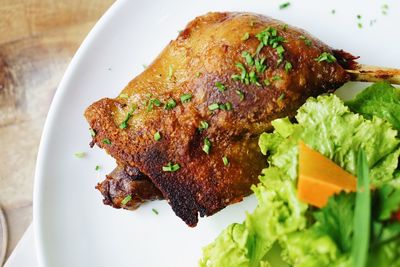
[(62, 88)]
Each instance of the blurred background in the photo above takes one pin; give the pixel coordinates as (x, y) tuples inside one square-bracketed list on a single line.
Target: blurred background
[(37, 40)]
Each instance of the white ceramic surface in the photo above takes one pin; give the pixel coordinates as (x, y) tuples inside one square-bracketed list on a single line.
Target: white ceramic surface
[(72, 226)]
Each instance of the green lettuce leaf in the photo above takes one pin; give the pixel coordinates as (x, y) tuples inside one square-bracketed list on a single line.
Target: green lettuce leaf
[(328, 126), (381, 100)]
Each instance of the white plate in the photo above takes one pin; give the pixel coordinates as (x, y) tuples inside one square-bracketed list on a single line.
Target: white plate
[(72, 226)]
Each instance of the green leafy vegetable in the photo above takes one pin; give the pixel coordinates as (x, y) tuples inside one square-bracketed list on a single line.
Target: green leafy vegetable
[(225, 160), (362, 213), (170, 104), (380, 99), (106, 141), (326, 125)]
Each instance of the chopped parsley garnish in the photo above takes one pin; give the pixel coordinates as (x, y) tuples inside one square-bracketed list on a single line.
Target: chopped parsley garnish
[(80, 155), (359, 17), (276, 78), (97, 168), (170, 104), (226, 106), (288, 66), (92, 132), (125, 96), (106, 141), (225, 160), (325, 56), (157, 136), (285, 27), (153, 102), (359, 25), (246, 36), (253, 78), (284, 5), (385, 8), (155, 211), (281, 97), (124, 124), (207, 145), (267, 82), (248, 57), (126, 199), (333, 11), (259, 64), (203, 125), (240, 94), (306, 40), (170, 72), (243, 77), (220, 86), (280, 50), (213, 107), (171, 167), (186, 98)]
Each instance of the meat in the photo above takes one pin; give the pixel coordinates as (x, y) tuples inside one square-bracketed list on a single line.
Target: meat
[(127, 181), (190, 122)]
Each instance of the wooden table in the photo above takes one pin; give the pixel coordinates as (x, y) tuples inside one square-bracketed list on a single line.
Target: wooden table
[(37, 40)]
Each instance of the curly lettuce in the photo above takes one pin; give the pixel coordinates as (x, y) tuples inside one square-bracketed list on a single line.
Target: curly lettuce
[(328, 126)]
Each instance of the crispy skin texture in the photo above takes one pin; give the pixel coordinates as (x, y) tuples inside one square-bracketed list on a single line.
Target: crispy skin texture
[(203, 54)]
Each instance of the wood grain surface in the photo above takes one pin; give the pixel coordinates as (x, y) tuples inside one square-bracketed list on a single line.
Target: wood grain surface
[(37, 40)]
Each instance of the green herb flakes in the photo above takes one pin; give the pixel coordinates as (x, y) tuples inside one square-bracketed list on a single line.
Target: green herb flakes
[(207, 145), (155, 211), (124, 123), (203, 125), (259, 64), (385, 9), (198, 74), (80, 155), (307, 41), (186, 98), (267, 82), (97, 168), (213, 107), (106, 141), (288, 66), (245, 36), (284, 5), (281, 97), (240, 94), (157, 136), (249, 59), (153, 102), (126, 200), (220, 86), (170, 104), (225, 160), (276, 78), (333, 11), (325, 56), (171, 167)]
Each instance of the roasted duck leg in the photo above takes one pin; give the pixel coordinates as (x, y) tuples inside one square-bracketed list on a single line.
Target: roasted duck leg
[(189, 124)]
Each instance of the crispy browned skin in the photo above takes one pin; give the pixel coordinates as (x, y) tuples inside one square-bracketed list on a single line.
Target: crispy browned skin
[(124, 181), (203, 54)]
